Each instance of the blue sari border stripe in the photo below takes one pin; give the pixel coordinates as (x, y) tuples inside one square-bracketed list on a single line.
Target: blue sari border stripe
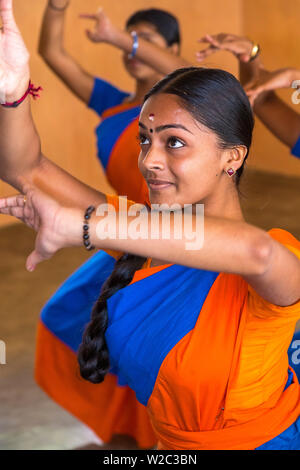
[(296, 149), (113, 126), (69, 310), (163, 321), (105, 96)]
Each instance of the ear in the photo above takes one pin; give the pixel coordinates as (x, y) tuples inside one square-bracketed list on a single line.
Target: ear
[(234, 158), (174, 49)]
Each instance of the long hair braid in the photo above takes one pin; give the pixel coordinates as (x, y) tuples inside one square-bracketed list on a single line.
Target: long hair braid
[(93, 357)]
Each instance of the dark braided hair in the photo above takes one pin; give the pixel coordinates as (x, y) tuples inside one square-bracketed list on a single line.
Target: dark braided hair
[(93, 357), (216, 99)]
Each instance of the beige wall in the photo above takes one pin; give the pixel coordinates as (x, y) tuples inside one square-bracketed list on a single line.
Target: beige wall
[(67, 127), (275, 25)]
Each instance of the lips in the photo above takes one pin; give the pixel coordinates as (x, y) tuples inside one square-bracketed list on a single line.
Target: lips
[(156, 184)]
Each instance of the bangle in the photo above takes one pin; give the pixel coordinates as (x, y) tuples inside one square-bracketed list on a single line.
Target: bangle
[(135, 45), (50, 4), (86, 237), (255, 52), (31, 90)]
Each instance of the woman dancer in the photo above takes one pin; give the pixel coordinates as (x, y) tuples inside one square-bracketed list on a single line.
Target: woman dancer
[(191, 338), (282, 120), (156, 50)]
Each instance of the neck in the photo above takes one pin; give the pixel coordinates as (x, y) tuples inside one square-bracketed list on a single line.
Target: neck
[(225, 203)]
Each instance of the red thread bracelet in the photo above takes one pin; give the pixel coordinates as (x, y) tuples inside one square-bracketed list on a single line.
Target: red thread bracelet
[(30, 91)]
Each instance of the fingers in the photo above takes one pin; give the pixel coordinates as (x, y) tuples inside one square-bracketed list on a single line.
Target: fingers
[(7, 16), (13, 201), (91, 35), (201, 55), (17, 212), (16, 206), (95, 16), (88, 17), (33, 260)]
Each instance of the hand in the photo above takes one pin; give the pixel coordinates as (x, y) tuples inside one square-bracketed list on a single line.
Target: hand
[(267, 81), (103, 31), (14, 57), (59, 3), (52, 223), (241, 47)]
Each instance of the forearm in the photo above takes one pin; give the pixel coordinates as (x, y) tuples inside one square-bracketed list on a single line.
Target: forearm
[(224, 245), (20, 149), (248, 71), (227, 246), (156, 57), (52, 31), (60, 185), (281, 119), (22, 164), (51, 48)]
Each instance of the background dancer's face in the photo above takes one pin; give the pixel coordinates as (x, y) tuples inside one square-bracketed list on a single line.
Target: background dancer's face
[(182, 160), (136, 68)]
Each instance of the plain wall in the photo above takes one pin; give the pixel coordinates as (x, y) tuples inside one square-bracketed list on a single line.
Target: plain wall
[(275, 25)]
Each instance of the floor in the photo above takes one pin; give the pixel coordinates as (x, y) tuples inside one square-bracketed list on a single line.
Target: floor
[(28, 418)]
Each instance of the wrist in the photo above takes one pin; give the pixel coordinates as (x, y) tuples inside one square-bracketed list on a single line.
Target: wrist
[(20, 89), (69, 226), (250, 52), (121, 39), (294, 74)]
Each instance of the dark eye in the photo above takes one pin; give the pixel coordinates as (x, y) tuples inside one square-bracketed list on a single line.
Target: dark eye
[(175, 143), (143, 140)]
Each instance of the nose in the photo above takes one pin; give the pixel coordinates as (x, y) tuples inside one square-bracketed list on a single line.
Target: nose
[(154, 160)]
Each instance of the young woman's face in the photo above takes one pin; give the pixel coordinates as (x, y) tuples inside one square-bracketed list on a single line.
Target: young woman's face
[(136, 68), (180, 159)]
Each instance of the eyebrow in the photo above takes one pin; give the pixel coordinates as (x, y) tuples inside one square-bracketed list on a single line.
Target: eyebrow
[(166, 126)]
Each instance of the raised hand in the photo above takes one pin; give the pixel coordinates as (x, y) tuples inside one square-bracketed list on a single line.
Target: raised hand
[(103, 31), (41, 213), (14, 57), (241, 47), (268, 81)]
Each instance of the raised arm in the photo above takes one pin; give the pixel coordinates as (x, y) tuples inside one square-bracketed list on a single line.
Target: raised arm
[(18, 136), (51, 48), (281, 119), (163, 61)]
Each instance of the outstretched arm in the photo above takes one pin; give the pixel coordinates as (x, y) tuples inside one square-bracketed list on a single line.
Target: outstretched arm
[(282, 120), (227, 245), (162, 60), (52, 50)]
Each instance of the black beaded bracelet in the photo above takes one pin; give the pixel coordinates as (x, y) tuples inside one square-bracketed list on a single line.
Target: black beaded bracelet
[(86, 236)]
